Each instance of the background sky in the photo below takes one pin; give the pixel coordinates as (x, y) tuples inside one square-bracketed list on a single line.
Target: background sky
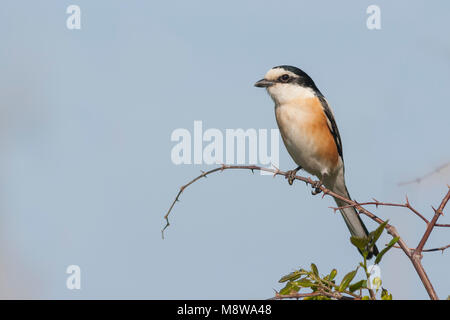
[(85, 125)]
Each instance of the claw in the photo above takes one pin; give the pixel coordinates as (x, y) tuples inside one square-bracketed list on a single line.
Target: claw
[(290, 175), (316, 185)]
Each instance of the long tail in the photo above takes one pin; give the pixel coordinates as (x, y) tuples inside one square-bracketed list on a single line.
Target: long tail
[(350, 215)]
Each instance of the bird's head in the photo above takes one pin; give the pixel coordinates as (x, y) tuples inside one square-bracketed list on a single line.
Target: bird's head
[(286, 83)]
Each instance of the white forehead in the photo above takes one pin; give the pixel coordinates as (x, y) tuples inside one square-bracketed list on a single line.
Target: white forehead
[(275, 73)]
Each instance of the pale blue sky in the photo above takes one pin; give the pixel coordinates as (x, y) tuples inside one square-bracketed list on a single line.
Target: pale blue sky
[(85, 133)]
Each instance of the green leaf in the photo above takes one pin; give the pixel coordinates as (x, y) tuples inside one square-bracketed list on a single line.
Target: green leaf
[(365, 298), (332, 275), (388, 247), (347, 279), (358, 285), (291, 276), (360, 243), (303, 272), (286, 289), (385, 295), (375, 235), (314, 269), (305, 283), (289, 288)]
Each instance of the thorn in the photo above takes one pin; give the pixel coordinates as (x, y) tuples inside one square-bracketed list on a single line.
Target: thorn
[(278, 169), (376, 202), (277, 172), (407, 201)]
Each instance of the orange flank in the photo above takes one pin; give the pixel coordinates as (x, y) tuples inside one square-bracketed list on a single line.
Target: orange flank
[(308, 113)]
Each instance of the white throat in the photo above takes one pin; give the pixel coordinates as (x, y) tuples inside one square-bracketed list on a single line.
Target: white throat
[(282, 93)]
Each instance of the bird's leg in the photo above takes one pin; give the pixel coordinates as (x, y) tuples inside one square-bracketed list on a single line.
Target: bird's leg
[(290, 175), (316, 187)]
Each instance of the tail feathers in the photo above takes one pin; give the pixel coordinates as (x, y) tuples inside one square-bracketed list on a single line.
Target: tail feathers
[(351, 216), (355, 224)]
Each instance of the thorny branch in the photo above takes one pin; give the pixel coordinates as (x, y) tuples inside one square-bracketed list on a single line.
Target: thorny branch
[(377, 203), (437, 249), (415, 255), (442, 249)]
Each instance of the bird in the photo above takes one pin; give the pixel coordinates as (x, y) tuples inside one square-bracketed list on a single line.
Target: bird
[(311, 136)]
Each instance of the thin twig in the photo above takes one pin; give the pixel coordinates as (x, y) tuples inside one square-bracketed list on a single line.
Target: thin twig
[(420, 179), (222, 168), (437, 214), (386, 204), (378, 203), (437, 249), (428, 250)]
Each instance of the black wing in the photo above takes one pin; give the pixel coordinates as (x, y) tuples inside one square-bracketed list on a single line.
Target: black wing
[(332, 124)]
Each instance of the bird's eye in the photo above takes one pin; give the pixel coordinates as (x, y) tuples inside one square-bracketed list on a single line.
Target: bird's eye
[(284, 77)]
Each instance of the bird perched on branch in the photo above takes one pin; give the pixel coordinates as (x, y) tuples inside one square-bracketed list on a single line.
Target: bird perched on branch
[(311, 136)]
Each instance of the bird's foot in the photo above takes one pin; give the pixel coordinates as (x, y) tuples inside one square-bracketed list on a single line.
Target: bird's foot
[(290, 175), (316, 188)]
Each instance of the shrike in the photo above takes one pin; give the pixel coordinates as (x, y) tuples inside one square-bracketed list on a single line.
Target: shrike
[(311, 136)]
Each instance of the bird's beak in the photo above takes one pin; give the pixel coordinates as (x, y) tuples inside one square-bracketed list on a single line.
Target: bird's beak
[(263, 83)]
